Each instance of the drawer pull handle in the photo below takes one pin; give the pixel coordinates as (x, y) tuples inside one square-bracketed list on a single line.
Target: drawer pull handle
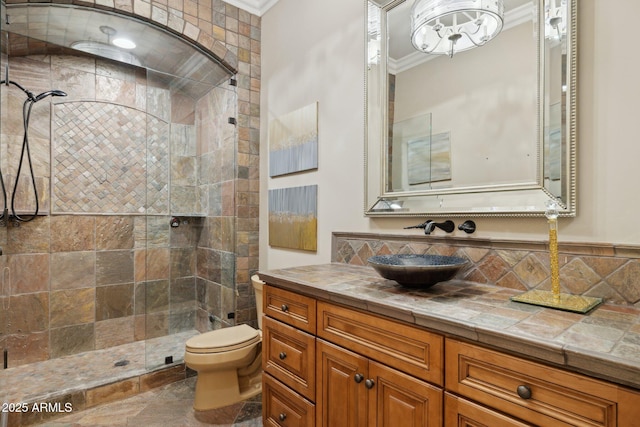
[(524, 391), (369, 383), (285, 307), (358, 378), (282, 417), (282, 355)]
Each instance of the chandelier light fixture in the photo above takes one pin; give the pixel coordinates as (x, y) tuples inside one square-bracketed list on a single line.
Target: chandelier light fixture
[(445, 27)]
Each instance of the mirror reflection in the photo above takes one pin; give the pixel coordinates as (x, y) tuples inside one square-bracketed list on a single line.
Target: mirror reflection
[(491, 119)]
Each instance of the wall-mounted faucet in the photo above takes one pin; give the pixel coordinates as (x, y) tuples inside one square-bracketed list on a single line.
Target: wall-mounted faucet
[(430, 225)]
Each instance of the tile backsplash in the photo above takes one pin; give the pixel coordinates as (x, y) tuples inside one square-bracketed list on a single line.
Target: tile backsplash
[(598, 270)]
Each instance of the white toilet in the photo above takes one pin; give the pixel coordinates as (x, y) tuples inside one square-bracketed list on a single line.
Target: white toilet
[(228, 362)]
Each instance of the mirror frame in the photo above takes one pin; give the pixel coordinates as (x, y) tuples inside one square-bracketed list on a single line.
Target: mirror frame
[(510, 200)]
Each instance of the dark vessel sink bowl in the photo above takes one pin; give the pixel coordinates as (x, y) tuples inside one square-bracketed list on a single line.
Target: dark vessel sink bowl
[(417, 270)]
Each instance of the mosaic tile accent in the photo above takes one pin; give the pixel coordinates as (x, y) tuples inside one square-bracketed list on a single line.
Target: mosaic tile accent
[(517, 265), (99, 158)]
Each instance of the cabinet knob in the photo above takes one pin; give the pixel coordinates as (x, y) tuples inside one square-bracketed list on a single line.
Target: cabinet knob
[(282, 355), (284, 307), (358, 378), (369, 383), (282, 417), (524, 391)]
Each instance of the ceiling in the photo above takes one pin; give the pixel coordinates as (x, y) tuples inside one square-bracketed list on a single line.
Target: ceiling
[(38, 28)]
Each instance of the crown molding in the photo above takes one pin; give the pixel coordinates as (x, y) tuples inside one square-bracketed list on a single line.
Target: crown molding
[(256, 7)]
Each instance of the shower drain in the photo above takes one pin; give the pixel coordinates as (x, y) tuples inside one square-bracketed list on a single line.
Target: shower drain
[(121, 363)]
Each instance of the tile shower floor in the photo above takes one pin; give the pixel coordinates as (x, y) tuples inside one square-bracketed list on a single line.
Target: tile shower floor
[(167, 405), (56, 377)]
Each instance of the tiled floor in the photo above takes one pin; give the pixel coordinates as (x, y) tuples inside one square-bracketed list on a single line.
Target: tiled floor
[(170, 405)]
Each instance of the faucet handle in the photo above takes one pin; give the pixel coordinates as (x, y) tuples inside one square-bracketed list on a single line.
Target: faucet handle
[(467, 226)]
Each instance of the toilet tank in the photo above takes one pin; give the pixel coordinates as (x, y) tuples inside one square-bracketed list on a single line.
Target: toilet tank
[(257, 287)]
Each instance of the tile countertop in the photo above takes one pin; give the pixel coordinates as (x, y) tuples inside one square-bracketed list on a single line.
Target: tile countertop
[(604, 343)]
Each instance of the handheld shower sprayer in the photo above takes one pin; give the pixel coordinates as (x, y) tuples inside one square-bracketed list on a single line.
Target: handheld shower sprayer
[(54, 92), (26, 115)]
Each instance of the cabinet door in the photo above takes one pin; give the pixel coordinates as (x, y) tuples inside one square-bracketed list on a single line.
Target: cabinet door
[(401, 399), (459, 412), (341, 399), (283, 407), (289, 355)]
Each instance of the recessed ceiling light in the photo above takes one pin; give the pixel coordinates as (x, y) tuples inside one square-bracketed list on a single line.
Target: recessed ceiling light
[(124, 43)]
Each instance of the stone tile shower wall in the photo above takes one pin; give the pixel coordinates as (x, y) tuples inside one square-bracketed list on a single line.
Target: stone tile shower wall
[(59, 262), (606, 271)]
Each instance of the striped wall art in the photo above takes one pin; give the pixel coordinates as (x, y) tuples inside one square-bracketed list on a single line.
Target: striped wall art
[(293, 217), (293, 141)]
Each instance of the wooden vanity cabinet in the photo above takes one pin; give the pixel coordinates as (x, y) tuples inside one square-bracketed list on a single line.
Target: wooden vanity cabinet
[(328, 365), (346, 367)]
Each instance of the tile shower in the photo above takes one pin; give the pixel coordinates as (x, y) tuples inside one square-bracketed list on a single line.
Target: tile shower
[(101, 270), (95, 273)]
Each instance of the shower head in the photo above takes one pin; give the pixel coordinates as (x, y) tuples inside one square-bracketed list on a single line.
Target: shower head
[(54, 92)]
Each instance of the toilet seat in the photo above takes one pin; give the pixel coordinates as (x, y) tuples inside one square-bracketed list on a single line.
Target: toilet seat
[(222, 340)]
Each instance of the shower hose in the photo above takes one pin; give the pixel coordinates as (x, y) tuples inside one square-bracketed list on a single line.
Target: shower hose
[(26, 115)]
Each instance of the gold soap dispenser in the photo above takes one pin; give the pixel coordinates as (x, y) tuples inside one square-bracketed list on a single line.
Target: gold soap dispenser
[(554, 298)]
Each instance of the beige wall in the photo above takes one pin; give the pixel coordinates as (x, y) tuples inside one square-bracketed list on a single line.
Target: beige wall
[(314, 51)]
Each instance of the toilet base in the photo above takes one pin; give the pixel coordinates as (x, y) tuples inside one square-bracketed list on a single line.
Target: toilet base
[(218, 389)]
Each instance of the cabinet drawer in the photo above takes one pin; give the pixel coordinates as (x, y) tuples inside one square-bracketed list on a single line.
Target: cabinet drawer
[(283, 407), (293, 309), (459, 412), (407, 348), (289, 355), (557, 398)]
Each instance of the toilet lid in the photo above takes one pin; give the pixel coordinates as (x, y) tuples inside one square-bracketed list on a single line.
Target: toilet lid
[(225, 339)]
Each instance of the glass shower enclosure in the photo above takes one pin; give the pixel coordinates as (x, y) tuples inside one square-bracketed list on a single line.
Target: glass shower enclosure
[(132, 249)]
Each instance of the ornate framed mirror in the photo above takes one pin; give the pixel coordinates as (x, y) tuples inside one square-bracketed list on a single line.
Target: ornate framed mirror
[(489, 131)]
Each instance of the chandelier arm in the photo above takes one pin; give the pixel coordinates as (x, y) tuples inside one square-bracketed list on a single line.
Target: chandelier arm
[(434, 47), (474, 32), (438, 32), (472, 40)]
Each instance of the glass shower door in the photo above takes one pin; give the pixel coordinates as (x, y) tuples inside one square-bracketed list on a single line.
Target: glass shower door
[(187, 157)]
